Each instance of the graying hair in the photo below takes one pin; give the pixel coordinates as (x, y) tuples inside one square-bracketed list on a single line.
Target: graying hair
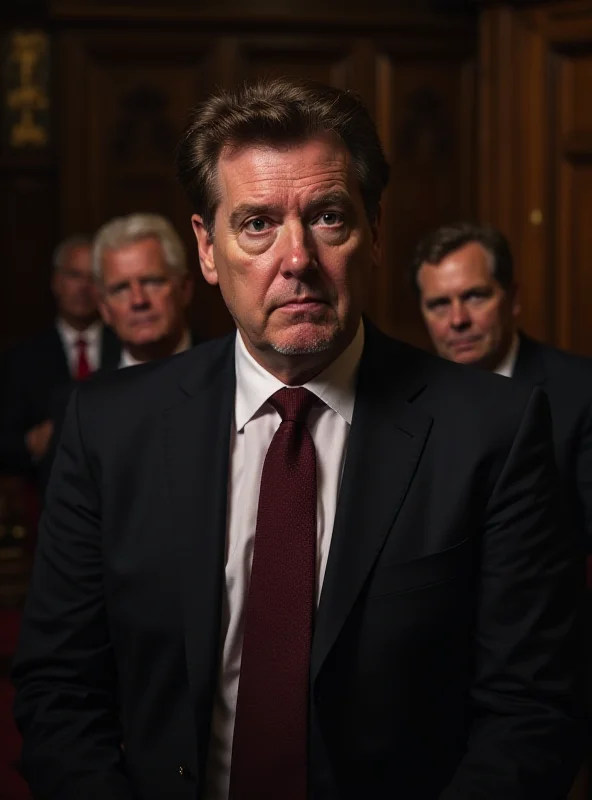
[(121, 231), (65, 247)]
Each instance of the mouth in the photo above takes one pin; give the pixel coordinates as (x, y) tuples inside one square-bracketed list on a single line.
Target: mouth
[(464, 344), (302, 304), (142, 323)]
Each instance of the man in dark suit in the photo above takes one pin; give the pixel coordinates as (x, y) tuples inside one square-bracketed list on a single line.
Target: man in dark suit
[(144, 291), (306, 560), (37, 369), (469, 300)]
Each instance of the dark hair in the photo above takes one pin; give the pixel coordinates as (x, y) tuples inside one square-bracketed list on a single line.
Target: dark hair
[(277, 112), (438, 244)]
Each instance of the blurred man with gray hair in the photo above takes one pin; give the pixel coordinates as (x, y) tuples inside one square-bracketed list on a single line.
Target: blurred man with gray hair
[(74, 347), (144, 287)]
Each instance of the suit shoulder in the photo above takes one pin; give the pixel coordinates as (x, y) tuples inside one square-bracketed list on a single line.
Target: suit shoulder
[(36, 345), (561, 365), (152, 385), (463, 381), (467, 402)]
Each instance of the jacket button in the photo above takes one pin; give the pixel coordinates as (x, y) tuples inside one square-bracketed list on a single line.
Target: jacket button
[(182, 771)]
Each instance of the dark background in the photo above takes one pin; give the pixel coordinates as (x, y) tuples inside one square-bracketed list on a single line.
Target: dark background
[(485, 110)]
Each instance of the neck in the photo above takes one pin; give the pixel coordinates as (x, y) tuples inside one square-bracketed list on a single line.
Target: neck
[(150, 351), (496, 363), (79, 324)]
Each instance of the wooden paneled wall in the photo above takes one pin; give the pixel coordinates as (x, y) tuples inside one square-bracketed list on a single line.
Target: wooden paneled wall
[(126, 74), (536, 158)]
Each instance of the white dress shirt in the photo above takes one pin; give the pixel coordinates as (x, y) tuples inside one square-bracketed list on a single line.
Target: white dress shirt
[(255, 422), (91, 335), (507, 364), (127, 360)]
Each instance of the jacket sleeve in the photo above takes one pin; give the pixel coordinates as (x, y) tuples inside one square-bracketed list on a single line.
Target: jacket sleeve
[(64, 669), (527, 738), (584, 476)]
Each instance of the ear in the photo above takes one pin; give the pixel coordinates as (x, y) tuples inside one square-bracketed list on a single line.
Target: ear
[(515, 297), (205, 248), (376, 238), (103, 307)]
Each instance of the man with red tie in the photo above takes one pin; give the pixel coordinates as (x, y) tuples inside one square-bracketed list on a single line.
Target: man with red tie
[(37, 369), (306, 560)]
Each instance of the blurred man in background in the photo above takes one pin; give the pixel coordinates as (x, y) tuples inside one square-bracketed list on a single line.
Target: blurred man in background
[(144, 290), (144, 287), (464, 276), (74, 347)]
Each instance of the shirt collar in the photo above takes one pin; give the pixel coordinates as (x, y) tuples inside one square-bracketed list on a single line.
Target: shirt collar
[(507, 364), (335, 385), (70, 335), (127, 360)]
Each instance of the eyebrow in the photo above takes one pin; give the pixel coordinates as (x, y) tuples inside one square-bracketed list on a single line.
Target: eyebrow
[(244, 210), (445, 298)]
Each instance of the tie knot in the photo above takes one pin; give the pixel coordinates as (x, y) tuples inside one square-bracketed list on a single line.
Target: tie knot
[(293, 405), (81, 343)]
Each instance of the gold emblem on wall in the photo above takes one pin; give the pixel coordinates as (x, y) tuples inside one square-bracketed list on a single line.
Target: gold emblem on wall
[(27, 89)]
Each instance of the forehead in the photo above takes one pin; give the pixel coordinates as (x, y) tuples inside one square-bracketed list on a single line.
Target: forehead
[(460, 270), (77, 257), (133, 259), (285, 173)]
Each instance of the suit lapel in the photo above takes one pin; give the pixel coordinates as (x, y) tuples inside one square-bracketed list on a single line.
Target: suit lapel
[(385, 445), (530, 367), (110, 349), (197, 452)]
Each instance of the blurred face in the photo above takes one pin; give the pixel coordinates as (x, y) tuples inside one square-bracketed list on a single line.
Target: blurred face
[(470, 317), (292, 252), (73, 288), (140, 298)]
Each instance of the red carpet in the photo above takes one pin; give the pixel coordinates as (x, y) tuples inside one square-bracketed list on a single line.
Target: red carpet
[(12, 786)]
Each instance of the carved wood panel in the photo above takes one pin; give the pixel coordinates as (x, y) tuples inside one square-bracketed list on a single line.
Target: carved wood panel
[(129, 94), (325, 60), (426, 111), (573, 178), (536, 159)]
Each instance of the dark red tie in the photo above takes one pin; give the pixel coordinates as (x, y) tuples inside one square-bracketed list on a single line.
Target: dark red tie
[(269, 752), (82, 367)]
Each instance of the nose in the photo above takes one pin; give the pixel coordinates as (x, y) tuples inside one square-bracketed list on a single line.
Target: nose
[(138, 295), (460, 318), (299, 255)]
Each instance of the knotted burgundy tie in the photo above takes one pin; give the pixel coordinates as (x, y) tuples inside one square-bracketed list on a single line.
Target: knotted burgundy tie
[(269, 753), (82, 367)]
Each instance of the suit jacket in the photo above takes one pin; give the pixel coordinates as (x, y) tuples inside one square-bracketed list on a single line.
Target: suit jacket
[(567, 381), (442, 660), (34, 372)]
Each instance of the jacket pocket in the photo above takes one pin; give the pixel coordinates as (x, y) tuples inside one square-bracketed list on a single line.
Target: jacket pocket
[(420, 573)]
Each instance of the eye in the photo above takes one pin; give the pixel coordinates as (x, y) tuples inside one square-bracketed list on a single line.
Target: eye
[(330, 218), (477, 297), (257, 225), (118, 289)]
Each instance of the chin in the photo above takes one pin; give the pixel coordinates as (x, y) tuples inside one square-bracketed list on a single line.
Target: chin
[(307, 339), (146, 339), (466, 358)]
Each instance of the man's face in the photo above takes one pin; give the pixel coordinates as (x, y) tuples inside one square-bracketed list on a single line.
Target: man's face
[(469, 315), (292, 250), (73, 288), (140, 298)]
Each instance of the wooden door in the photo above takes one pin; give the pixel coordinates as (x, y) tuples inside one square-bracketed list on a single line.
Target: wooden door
[(536, 160)]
